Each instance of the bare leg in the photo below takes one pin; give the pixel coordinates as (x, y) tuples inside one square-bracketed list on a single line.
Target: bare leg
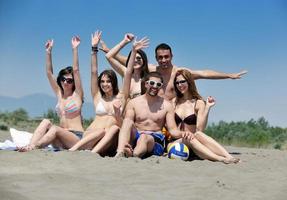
[(211, 144), (144, 145), (125, 136), (66, 138), (106, 141), (205, 153), (89, 139), (40, 131)]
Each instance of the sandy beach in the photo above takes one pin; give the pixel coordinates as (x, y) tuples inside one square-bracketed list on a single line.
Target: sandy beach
[(47, 175)]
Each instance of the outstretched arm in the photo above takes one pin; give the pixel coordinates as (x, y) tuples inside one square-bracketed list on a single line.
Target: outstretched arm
[(95, 38), (78, 84), (120, 68), (49, 67), (202, 112), (122, 59), (210, 74)]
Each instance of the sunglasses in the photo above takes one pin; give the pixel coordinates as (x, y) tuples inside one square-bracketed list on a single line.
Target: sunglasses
[(180, 82), (68, 80), (138, 58), (154, 83)]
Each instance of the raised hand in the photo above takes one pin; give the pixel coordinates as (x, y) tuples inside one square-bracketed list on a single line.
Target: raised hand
[(143, 43), (129, 37), (49, 45), (210, 101), (75, 41), (103, 47), (95, 38), (238, 75)]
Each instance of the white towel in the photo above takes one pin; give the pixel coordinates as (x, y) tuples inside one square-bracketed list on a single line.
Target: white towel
[(20, 138)]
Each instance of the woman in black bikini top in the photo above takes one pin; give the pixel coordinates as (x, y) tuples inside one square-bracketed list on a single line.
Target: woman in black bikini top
[(191, 115)]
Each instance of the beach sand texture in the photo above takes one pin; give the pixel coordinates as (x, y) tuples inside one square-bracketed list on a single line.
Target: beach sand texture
[(42, 175)]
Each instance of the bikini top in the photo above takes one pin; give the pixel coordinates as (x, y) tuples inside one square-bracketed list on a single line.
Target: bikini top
[(70, 109), (101, 110), (189, 120)]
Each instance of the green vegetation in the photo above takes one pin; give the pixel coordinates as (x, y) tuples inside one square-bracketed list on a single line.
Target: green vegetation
[(254, 133), (21, 120)]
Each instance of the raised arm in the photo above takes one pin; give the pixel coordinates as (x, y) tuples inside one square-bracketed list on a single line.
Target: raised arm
[(103, 47), (49, 67), (95, 38), (202, 112), (78, 84), (137, 45), (120, 68), (210, 74)]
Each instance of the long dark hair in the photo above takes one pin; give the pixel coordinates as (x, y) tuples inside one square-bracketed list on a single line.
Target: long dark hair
[(144, 67), (113, 77), (62, 72)]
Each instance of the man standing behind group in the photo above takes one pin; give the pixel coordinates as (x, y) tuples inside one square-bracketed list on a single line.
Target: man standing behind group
[(145, 117), (163, 55)]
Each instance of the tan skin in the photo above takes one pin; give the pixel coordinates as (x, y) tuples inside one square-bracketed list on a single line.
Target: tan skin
[(152, 114), (204, 146), (168, 71), (166, 68), (60, 136), (113, 58), (100, 135)]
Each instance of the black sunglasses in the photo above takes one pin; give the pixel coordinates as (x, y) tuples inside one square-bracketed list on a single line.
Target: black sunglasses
[(180, 82), (68, 80)]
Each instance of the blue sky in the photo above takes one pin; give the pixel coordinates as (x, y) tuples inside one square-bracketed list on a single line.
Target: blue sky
[(225, 36)]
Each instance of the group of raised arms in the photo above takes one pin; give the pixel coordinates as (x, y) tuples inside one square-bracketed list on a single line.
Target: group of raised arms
[(157, 105)]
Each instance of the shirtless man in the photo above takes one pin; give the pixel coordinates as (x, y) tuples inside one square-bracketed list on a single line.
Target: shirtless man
[(163, 55), (145, 117)]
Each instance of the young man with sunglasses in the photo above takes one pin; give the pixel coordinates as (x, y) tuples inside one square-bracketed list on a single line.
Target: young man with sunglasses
[(163, 55), (141, 135)]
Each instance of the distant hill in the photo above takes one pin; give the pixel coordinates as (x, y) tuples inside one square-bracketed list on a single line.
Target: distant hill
[(37, 104)]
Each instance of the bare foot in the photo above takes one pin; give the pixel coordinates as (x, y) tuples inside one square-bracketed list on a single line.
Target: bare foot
[(120, 154), (128, 151), (231, 160), (27, 148)]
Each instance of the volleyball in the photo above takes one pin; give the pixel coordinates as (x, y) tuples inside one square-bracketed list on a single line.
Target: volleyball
[(178, 151)]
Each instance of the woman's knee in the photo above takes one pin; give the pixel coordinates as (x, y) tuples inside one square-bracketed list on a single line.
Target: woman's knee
[(53, 129), (47, 123)]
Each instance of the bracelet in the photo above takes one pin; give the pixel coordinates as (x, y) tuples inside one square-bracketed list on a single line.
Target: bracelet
[(95, 49)]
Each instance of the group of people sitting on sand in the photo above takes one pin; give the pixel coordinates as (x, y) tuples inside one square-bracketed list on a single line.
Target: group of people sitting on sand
[(157, 105)]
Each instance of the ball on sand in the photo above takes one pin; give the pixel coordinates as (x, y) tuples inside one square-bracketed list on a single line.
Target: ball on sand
[(178, 150)]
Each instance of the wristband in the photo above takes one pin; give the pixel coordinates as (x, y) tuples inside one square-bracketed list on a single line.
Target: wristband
[(95, 49)]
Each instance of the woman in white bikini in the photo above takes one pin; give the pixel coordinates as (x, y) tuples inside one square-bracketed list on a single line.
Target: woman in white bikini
[(191, 115), (101, 135), (69, 92)]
